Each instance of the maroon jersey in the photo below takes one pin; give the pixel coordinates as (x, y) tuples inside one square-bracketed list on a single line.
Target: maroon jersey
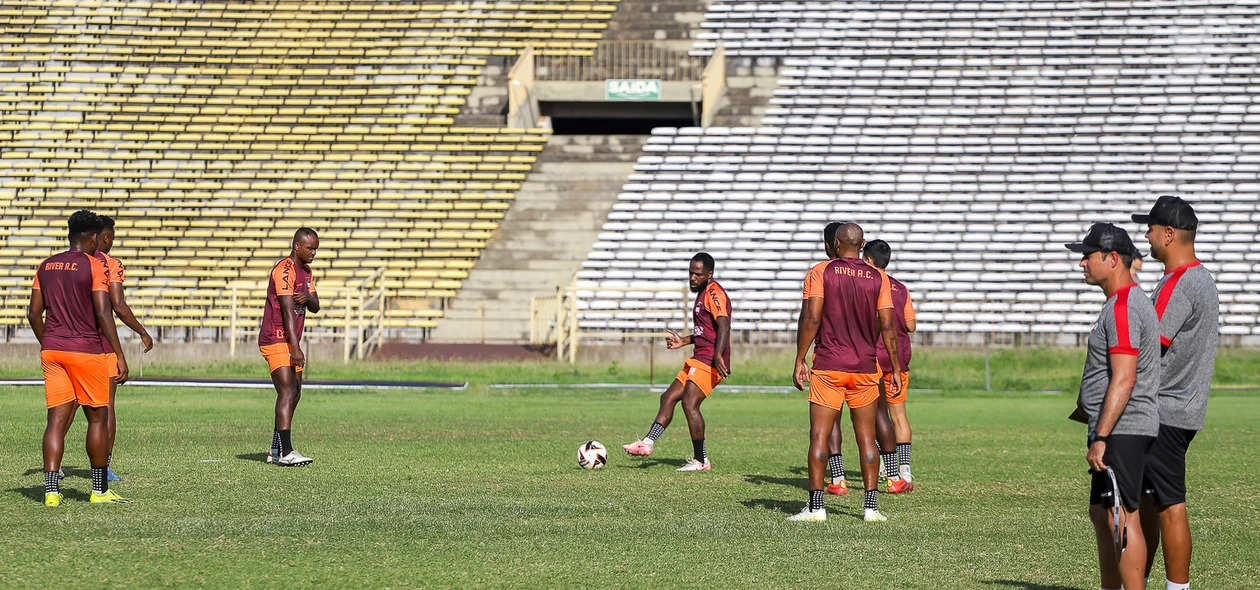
[(903, 314), (711, 304), (113, 272), (66, 282), (287, 278), (852, 292)]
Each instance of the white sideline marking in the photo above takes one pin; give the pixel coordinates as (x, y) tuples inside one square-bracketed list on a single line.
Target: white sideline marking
[(638, 387)]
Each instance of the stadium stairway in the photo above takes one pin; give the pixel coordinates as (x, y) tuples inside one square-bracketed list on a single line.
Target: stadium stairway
[(655, 20), (543, 239)]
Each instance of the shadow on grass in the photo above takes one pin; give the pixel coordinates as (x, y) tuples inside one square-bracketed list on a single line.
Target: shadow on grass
[(792, 482), (259, 457), (789, 507), (36, 493), (649, 463), (1027, 585), (849, 474), (67, 469)]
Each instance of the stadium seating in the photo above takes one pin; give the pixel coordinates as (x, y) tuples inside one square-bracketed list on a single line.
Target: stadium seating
[(211, 131), (977, 138)]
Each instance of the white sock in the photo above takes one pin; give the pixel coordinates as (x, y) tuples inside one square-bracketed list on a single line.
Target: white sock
[(1171, 585)]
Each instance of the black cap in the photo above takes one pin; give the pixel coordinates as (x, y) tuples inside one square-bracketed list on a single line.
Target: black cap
[(1171, 211), (1105, 237)]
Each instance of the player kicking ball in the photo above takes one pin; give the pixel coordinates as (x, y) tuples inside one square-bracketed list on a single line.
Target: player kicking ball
[(290, 294), (708, 366)]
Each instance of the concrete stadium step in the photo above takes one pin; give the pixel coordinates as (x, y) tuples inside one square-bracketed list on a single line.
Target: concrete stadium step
[(545, 236), (638, 20)]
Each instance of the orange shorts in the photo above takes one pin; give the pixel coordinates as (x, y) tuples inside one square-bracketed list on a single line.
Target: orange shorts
[(833, 389), (704, 376), (900, 397), (75, 376), (111, 362), (277, 356)]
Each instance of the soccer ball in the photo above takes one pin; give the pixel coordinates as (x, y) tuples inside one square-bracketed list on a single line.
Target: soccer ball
[(592, 455)]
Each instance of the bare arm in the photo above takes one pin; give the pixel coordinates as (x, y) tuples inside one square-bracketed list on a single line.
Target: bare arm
[(806, 333), (723, 341), (289, 317), (1119, 390), (312, 302), (104, 312), (124, 313), (888, 331), (35, 314), (909, 325)]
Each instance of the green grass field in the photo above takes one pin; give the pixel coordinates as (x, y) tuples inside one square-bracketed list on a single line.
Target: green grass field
[(480, 488)]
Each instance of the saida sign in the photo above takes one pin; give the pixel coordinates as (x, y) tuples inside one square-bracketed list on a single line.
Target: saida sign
[(641, 90)]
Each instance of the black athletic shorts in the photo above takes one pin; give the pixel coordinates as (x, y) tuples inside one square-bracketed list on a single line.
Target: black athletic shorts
[(1164, 480), (1126, 456)]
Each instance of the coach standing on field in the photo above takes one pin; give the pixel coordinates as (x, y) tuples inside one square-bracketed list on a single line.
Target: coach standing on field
[(1188, 308), (1118, 390)]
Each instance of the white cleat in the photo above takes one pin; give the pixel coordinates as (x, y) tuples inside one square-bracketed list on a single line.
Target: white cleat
[(808, 515), (905, 473), (873, 515), (694, 465), (883, 475), (271, 456), (294, 459)]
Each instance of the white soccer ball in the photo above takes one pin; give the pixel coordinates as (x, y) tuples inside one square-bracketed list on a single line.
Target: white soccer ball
[(592, 455)]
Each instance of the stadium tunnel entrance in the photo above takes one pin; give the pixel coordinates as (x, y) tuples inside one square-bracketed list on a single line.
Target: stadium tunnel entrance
[(615, 118)]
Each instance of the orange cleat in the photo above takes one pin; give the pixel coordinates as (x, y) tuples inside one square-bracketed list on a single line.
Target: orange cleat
[(839, 488), (900, 485)]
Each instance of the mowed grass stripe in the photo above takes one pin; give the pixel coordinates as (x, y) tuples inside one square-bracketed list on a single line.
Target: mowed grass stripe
[(480, 488)]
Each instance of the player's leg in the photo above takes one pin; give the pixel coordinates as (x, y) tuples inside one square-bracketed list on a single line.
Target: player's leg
[(901, 425), (863, 418), (886, 441), (112, 430), (835, 460), (1149, 515), (1174, 527), (1109, 572), (669, 399), (54, 447), (692, 397), (285, 380), (98, 454), (821, 421)]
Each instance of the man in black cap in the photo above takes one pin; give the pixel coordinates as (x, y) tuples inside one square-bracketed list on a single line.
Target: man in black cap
[(1117, 401), (1188, 309)]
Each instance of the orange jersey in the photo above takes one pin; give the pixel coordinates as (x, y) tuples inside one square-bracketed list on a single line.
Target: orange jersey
[(115, 274), (852, 293), (287, 278)]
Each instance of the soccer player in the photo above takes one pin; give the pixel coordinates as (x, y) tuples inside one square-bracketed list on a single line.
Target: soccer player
[(117, 275), (848, 306), (878, 254), (709, 364), (1188, 309), (290, 294), (73, 320), (1118, 401)]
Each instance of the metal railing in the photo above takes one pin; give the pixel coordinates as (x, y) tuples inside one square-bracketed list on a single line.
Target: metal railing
[(362, 327), (622, 59), (557, 319)]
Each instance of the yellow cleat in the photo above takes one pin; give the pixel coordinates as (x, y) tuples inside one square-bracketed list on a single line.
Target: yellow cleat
[(53, 499), (109, 497)]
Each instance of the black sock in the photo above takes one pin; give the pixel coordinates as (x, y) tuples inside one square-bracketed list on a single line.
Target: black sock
[(275, 442), (286, 444), (654, 432), (100, 483), (903, 454), (836, 462), (52, 482), (872, 500), (701, 452), (890, 465), (816, 500)]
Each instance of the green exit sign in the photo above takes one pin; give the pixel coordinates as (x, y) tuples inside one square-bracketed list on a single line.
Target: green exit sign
[(641, 90)]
